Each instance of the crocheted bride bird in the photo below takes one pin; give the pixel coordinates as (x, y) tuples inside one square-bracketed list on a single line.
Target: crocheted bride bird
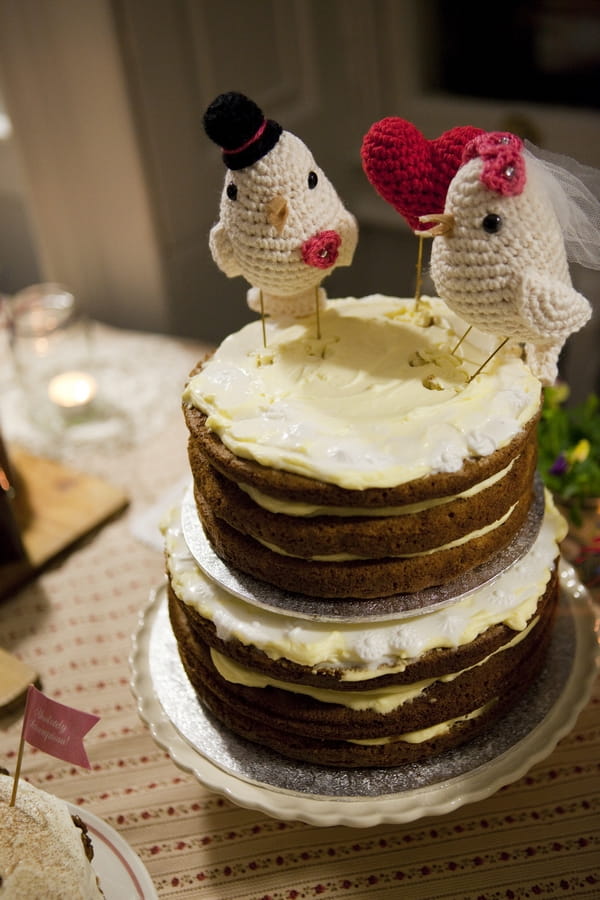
[(498, 257), (281, 223)]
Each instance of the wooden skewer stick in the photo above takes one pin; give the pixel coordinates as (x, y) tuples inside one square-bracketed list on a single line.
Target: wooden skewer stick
[(17, 774), (419, 279), (455, 348), (318, 313), (262, 318), (444, 224), (484, 364)]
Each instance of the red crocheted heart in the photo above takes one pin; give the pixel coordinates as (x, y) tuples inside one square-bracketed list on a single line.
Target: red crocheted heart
[(409, 171)]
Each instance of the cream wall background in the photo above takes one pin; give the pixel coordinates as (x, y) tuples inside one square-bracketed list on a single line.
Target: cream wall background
[(18, 259), (113, 186)]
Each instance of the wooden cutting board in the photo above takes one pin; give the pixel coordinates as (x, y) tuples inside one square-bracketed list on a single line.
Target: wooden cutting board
[(15, 677), (54, 506)]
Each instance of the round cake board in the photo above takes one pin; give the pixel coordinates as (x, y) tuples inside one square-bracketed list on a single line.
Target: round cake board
[(257, 778), (265, 596)]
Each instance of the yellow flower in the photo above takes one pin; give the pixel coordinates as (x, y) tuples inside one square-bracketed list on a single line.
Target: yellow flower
[(580, 451), (556, 394)]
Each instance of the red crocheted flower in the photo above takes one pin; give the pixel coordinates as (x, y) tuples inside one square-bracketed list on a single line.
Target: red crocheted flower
[(503, 163), (321, 251)]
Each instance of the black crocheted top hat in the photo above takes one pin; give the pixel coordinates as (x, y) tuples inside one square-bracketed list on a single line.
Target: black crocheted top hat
[(238, 126)]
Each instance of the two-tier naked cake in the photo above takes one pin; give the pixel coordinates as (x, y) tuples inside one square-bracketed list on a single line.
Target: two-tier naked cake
[(363, 470), (365, 573)]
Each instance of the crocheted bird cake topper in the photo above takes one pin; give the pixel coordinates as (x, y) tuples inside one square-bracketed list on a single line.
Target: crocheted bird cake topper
[(281, 223), (498, 257)]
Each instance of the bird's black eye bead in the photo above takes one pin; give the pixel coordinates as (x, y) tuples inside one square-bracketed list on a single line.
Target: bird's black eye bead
[(313, 180), (232, 191), (492, 223)]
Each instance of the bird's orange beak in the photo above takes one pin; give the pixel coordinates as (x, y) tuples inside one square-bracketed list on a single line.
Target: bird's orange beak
[(277, 212), (445, 224)]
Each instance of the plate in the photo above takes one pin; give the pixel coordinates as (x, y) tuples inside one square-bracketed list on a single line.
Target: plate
[(258, 593), (257, 779), (121, 872)]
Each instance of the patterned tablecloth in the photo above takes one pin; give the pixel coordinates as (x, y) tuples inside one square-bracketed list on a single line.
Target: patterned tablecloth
[(536, 837)]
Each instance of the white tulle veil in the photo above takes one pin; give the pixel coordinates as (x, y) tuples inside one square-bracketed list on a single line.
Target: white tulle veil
[(574, 190)]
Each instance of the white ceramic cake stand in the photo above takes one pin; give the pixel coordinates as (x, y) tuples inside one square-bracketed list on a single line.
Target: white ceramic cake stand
[(257, 779)]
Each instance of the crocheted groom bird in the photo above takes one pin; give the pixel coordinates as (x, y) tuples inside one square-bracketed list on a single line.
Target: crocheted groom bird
[(498, 257), (281, 224)]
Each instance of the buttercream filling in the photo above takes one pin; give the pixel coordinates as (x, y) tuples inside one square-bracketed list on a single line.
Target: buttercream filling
[(376, 648), (424, 734), (347, 557), (356, 407), (308, 510), (382, 700)]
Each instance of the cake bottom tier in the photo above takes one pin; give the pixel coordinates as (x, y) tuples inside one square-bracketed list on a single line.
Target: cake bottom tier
[(379, 722)]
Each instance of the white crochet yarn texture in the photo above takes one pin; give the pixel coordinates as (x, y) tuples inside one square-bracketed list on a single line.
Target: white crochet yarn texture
[(514, 282), (275, 211)]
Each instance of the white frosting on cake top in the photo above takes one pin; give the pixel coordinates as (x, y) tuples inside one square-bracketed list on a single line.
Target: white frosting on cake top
[(361, 649), (41, 850), (377, 401)]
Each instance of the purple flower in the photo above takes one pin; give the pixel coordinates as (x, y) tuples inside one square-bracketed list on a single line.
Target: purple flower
[(560, 465)]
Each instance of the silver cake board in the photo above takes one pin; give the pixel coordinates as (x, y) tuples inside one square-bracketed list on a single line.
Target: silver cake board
[(269, 597)]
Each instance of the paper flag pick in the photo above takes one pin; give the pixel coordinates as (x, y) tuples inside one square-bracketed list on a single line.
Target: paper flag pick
[(56, 729)]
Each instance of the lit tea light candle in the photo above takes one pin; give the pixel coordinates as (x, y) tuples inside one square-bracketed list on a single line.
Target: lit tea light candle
[(72, 390)]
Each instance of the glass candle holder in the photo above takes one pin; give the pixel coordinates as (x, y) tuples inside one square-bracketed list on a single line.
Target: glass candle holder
[(52, 353)]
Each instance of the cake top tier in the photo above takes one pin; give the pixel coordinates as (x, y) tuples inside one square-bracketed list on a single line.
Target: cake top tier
[(378, 400)]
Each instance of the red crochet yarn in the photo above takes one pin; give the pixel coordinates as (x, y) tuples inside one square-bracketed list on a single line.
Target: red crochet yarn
[(503, 163), (409, 171), (321, 251)]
